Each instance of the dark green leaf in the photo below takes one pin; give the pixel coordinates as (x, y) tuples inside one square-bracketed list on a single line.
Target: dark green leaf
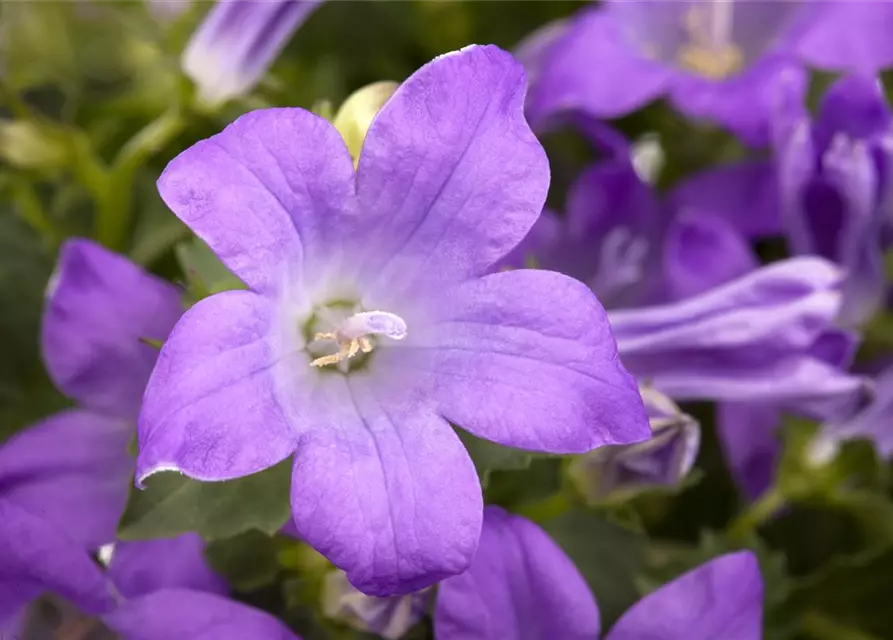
[(248, 560), (489, 456), (853, 591), (172, 504), (609, 556), (204, 272)]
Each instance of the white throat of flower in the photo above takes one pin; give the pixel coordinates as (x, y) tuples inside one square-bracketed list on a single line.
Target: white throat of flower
[(710, 50), (356, 333)]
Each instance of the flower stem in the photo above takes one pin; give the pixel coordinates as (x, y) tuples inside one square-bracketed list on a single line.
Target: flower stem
[(545, 509), (757, 514), (114, 207)]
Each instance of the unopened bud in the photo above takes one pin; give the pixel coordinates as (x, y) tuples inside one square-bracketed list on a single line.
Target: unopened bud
[(359, 110)]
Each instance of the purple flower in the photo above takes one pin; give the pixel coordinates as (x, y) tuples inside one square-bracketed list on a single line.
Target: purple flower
[(873, 421), (631, 248), (620, 471), (853, 36), (522, 585), (390, 617), (836, 190), (370, 324), (722, 598), (717, 60), (38, 558), (605, 239), (238, 41), (73, 468), (747, 433), (767, 336)]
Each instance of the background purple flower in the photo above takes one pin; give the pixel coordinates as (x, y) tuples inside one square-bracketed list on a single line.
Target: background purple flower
[(835, 186), (238, 41), (720, 61), (167, 591), (722, 598), (450, 179), (520, 585), (767, 336), (618, 472), (73, 468)]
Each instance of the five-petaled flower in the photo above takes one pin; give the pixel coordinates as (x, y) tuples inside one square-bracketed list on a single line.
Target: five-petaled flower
[(374, 320)]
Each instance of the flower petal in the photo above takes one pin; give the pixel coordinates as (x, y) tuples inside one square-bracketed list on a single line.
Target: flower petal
[(140, 568), (747, 434), (850, 36), (768, 335), (722, 598), (745, 194), (520, 585), (526, 358), (100, 307), (614, 222), (266, 194), (592, 68), (36, 557), (702, 251), (181, 613), (451, 172), (72, 470), (854, 106), (872, 422), (211, 409), (386, 491)]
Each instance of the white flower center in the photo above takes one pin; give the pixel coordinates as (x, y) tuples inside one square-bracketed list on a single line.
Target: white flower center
[(356, 334)]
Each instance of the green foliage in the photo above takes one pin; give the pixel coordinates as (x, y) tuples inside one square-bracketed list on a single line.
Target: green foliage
[(248, 560), (608, 555), (489, 456), (172, 504)]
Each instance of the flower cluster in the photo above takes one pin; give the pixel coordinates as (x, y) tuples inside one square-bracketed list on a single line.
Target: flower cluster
[(396, 370)]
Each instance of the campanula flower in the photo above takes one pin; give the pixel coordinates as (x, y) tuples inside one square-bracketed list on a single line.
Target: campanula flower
[(719, 60), (873, 421), (748, 433), (370, 324), (73, 468), (619, 471), (237, 42), (522, 585), (835, 185), (145, 598), (767, 336), (716, 60), (631, 247)]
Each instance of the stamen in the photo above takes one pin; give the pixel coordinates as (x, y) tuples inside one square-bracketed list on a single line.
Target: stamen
[(710, 50), (353, 335)]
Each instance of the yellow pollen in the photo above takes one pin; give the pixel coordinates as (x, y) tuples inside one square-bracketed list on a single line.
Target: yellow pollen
[(346, 349), (709, 51)]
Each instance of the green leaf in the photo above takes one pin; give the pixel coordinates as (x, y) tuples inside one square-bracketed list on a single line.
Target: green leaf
[(204, 271), (172, 504), (489, 456), (248, 560), (608, 555)]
